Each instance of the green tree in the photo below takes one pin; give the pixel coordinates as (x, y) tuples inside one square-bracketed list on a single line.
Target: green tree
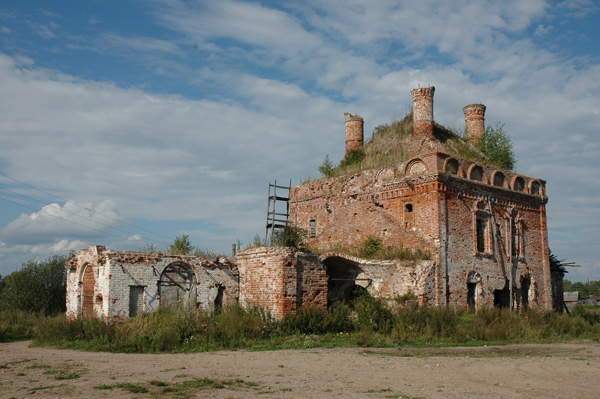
[(497, 147), (181, 246), (326, 168), (40, 286)]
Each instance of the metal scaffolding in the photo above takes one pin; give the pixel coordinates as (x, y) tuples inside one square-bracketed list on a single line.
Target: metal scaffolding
[(277, 220)]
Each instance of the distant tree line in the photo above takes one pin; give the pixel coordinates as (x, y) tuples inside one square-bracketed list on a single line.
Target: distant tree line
[(39, 286), (584, 289)]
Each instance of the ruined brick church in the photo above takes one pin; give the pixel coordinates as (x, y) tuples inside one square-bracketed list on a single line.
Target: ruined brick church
[(484, 228)]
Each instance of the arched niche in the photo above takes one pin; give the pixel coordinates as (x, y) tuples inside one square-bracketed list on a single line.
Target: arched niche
[(416, 167), (535, 188), (476, 173), (498, 179), (451, 166), (518, 183)]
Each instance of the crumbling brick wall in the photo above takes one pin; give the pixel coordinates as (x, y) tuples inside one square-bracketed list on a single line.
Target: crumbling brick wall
[(441, 204), (118, 276), (281, 280)]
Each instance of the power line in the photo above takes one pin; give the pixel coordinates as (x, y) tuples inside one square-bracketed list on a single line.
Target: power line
[(72, 213), (75, 214), (83, 207)]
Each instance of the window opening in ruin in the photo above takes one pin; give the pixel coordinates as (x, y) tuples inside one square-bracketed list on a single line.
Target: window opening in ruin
[(177, 286), (525, 286), (481, 225), (502, 297), (313, 228), (472, 288), (408, 208), (136, 300), (519, 184), (499, 179), (476, 173), (89, 281)]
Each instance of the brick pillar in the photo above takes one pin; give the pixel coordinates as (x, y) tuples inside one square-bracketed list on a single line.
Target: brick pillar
[(474, 121), (354, 132), (423, 112)]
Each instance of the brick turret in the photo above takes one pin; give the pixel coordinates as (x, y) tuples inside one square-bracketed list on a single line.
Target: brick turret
[(474, 121), (354, 132), (423, 111)]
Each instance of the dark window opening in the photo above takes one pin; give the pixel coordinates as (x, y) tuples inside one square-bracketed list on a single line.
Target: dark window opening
[(499, 179), (519, 184), (535, 188), (502, 298), (313, 228), (525, 286), (477, 173), (471, 290), (408, 208)]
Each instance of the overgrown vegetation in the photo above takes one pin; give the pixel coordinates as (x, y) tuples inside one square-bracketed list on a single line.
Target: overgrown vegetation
[(38, 287), (392, 144), (290, 236), (365, 321), (373, 248)]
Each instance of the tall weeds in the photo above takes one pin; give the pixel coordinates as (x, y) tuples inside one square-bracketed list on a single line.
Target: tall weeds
[(366, 321)]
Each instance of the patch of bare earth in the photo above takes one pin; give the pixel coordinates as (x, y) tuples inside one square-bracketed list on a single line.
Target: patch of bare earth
[(512, 371)]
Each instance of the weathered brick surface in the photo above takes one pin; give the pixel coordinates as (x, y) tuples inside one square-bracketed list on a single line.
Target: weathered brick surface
[(281, 280), (354, 132), (116, 272), (474, 121), (423, 111), (420, 204)]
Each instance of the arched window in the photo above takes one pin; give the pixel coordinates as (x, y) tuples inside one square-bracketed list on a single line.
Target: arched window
[(499, 179), (519, 184), (476, 173)]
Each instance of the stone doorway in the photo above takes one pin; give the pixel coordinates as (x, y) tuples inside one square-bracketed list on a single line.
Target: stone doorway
[(343, 279)]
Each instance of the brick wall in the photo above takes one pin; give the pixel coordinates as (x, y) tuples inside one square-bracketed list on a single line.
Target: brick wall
[(434, 202), (281, 280)]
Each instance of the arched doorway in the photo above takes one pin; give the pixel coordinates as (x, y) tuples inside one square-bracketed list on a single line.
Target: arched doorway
[(343, 284), (177, 286), (89, 282)]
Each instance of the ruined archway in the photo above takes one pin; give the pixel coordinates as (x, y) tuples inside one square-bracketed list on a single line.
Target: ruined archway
[(343, 282), (89, 283), (177, 286)]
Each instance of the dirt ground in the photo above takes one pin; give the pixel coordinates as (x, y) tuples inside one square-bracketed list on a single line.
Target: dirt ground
[(513, 371)]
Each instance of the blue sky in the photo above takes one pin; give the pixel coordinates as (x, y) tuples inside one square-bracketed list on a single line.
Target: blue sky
[(133, 122)]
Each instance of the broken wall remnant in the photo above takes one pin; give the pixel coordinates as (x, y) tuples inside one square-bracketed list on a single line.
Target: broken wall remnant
[(116, 285), (281, 280)]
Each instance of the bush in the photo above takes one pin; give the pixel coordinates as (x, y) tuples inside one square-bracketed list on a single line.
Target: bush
[(370, 247), (290, 236), (39, 287)]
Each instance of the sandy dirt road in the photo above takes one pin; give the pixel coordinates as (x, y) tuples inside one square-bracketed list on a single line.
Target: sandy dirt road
[(513, 371)]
